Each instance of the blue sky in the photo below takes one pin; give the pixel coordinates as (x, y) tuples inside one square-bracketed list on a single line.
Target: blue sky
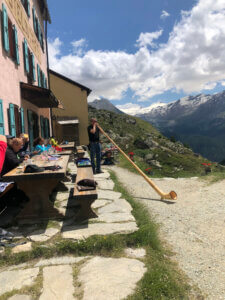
[(137, 52)]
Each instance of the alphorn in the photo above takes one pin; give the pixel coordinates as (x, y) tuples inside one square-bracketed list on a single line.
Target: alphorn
[(171, 196)]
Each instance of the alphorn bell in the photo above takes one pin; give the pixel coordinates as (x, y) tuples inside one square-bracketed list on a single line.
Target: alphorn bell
[(170, 196)]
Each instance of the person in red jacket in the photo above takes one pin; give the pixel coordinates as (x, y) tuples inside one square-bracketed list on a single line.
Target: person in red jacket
[(3, 147)]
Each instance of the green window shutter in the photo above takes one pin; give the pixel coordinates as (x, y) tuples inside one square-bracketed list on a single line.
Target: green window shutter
[(46, 83), (22, 120), (33, 67), (2, 127), (34, 21), (46, 128), (26, 58), (5, 30), (16, 45), (43, 80), (28, 8), (42, 126), (42, 42), (30, 128), (39, 75), (12, 124), (39, 31)]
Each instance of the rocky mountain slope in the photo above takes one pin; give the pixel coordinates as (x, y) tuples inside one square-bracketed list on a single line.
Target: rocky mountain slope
[(104, 104), (151, 149), (196, 120)]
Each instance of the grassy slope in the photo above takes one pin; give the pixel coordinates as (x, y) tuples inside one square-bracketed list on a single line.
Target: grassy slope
[(187, 164)]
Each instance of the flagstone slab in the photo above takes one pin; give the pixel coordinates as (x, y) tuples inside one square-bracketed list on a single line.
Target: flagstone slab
[(119, 205), (40, 236), (116, 217), (110, 278), (106, 184), (104, 175), (108, 195), (67, 212), (100, 203), (15, 280), (22, 248), (20, 297), (63, 260), (79, 232), (62, 196), (57, 283), (16, 267), (135, 253)]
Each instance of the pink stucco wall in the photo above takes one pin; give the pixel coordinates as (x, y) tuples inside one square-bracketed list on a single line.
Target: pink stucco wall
[(11, 75)]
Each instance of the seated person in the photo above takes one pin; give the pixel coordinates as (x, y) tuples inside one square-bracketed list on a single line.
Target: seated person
[(12, 159), (39, 145), (3, 147), (14, 197), (24, 150), (108, 158)]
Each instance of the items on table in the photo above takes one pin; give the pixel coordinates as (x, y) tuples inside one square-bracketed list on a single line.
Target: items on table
[(83, 162)]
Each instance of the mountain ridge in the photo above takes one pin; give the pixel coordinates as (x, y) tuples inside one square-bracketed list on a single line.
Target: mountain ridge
[(197, 120), (104, 104)]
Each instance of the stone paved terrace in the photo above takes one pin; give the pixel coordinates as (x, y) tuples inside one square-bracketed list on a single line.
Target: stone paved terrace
[(70, 277)]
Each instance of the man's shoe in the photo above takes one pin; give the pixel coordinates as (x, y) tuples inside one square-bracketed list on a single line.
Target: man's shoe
[(99, 172)]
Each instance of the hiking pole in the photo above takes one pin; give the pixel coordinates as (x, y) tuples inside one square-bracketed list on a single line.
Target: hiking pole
[(171, 196)]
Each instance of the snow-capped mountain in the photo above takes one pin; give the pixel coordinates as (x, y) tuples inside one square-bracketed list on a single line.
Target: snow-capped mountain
[(135, 109), (196, 120)]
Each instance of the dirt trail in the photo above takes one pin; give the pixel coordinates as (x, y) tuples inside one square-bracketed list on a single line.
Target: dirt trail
[(194, 225)]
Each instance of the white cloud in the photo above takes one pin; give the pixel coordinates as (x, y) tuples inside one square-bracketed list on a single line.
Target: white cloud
[(192, 59), (147, 38), (54, 50), (164, 14), (79, 46), (129, 108)]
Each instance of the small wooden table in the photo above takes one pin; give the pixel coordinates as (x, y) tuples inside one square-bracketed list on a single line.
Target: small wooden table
[(69, 146), (38, 187)]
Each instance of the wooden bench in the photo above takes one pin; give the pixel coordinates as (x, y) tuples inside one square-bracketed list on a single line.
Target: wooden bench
[(85, 198), (80, 152)]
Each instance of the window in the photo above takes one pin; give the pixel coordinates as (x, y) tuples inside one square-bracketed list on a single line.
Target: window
[(26, 5), (31, 75), (17, 120), (37, 29), (47, 131), (33, 127), (29, 64), (15, 117), (10, 38), (42, 80)]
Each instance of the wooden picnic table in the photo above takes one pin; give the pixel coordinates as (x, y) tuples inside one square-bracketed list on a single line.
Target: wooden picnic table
[(69, 146), (66, 152), (38, 187)]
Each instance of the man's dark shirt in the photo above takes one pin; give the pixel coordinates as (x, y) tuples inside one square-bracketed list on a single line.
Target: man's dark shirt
[(11, 161), (93, 137)]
